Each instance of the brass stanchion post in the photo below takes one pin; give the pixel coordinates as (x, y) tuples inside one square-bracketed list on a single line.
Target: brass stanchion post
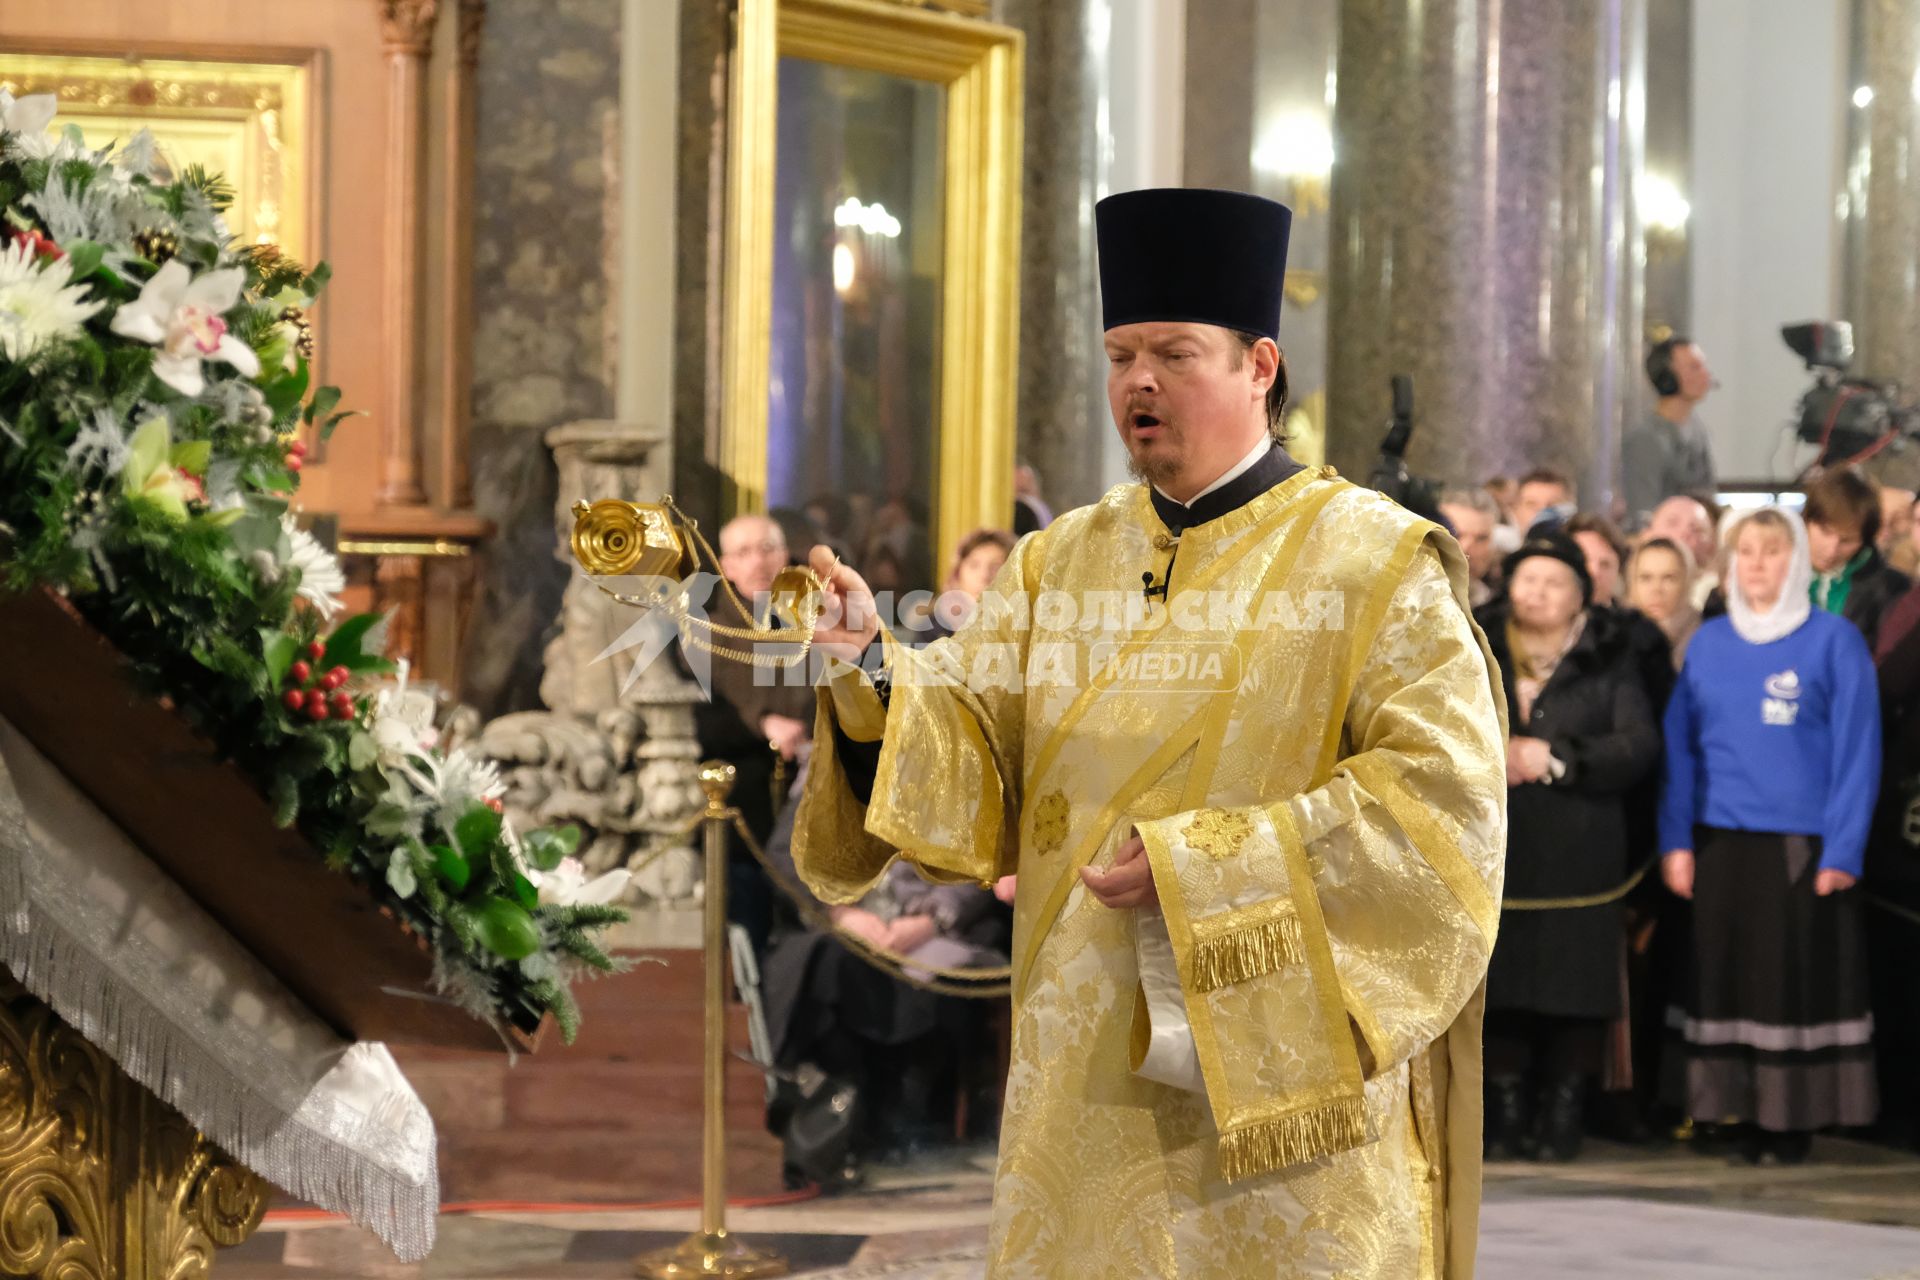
[(710, 1251)]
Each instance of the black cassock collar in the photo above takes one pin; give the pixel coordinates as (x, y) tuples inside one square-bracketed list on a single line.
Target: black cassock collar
[(1275, 466)]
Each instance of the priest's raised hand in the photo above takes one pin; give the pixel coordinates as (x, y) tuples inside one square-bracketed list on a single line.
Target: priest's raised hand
[(851, 620)]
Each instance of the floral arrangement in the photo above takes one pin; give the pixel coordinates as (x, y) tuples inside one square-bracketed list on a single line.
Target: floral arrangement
[(155, 413)]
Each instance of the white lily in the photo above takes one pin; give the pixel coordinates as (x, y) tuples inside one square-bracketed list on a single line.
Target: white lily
[(567, 885), (29, 117), (181, 315), (402, 724)]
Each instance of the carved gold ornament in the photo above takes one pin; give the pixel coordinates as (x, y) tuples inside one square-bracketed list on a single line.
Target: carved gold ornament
[(99, 1179)]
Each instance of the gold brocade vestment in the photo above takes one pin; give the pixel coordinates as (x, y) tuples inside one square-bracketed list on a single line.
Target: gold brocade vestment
[(1324, 807)]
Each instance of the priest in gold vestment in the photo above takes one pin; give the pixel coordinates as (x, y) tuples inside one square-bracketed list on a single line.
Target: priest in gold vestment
[(1256, 809)]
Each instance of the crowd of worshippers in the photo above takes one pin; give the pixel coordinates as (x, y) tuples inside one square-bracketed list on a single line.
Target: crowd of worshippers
[(865, 1064), (1725, 704), (1712, 898)]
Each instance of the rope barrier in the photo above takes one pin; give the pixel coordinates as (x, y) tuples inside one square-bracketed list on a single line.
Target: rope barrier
[(1614, 894)]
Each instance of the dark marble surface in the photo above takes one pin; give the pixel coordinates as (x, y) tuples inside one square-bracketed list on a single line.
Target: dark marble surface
[(548, 101), (699, 218), (1062, 399)]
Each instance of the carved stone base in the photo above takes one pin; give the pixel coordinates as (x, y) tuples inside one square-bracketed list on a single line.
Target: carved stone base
[(617, 756), (99, 1179)]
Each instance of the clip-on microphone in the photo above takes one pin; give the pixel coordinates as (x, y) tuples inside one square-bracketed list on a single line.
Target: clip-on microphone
[(1148, 588)]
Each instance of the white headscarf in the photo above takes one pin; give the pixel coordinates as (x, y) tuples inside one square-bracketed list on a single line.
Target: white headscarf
[(1794, 604)]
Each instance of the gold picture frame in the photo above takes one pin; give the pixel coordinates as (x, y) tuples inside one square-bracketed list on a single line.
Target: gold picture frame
[(978, 66), (249, 120)]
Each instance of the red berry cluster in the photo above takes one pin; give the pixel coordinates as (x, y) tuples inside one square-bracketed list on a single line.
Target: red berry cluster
[(296, 456), (42, 246), (319, 696)]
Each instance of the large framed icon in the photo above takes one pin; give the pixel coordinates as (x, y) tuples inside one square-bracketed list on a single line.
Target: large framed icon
[(245, 118), (872, 269)]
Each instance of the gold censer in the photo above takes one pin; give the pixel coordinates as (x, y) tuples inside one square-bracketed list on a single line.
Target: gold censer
[(616, 538)]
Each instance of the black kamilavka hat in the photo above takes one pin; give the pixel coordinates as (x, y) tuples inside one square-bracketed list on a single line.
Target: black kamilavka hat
[(1206, 257)]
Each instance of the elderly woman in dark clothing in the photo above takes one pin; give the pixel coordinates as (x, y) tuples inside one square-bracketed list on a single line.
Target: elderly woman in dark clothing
[(1584, 733)]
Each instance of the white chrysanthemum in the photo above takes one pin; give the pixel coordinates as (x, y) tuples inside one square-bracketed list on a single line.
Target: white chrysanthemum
[(460, 778), (321, 578), (39, 303)]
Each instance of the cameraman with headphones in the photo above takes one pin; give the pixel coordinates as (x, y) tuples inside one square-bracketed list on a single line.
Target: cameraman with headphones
[(1667, 452)]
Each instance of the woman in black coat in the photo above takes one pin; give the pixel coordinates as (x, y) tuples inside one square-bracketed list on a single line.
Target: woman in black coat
[(1585, 732)]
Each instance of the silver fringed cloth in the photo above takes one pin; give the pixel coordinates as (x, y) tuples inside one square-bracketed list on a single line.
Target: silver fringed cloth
[(91, 926)]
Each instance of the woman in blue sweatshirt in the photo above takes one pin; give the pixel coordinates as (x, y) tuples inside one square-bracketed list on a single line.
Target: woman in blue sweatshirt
[(1772, 763)]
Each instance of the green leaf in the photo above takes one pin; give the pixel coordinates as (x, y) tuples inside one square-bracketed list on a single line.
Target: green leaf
[(285, 393), (400, 877), (476, 832), (279, 648), (361, 749), (323, 403), (506, 929), (257, 530), (192, 455), (83, 257), (316, 279), (524, 893), (343, 646), (326, 428), (451, 867), (269, 479), (389, 819), (547, 846)]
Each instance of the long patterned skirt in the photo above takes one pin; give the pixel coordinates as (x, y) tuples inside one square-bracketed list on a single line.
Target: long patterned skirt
[(1777, 1029)]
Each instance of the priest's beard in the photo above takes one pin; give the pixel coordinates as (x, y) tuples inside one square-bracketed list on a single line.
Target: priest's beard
[(1159, 466)]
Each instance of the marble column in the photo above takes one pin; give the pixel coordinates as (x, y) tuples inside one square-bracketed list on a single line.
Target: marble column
[(546, 244), (1882, 200), (1666, 186), (699, 193), (1295, 49), (1483, 237), (1062, 404)]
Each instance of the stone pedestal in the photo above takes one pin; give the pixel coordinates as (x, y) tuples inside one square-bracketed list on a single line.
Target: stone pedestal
[(618, 758)]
